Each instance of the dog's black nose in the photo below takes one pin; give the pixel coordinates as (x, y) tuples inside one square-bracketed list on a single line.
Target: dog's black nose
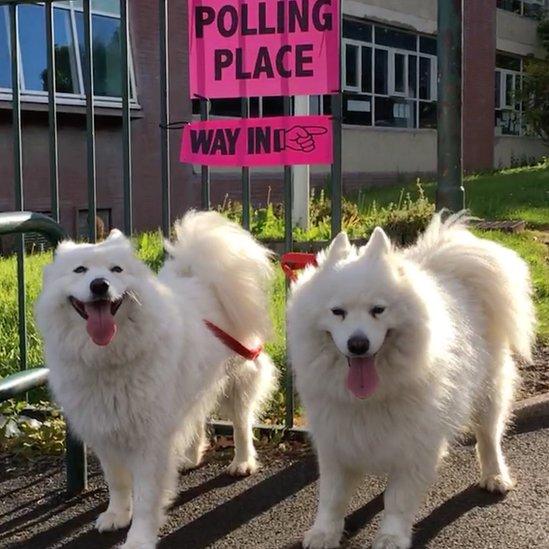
[(358, 344), (99, 287)]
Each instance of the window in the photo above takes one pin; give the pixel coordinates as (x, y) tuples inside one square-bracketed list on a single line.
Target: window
[(508, 85), (68, 21), (103, 223), (529, 8), (259, 107), (389, 77)]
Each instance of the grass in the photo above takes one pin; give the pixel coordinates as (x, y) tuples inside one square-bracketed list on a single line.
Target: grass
[(518, 193), (515, 193)]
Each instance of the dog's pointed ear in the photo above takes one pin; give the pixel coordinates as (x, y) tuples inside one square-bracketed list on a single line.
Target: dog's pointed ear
[(339, 249), (379, 244)]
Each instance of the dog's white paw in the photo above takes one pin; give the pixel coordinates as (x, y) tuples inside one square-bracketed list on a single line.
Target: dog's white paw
[(109, 520), (501, 483), (391, 541), (317, 538), (135, 543), (239, 468)]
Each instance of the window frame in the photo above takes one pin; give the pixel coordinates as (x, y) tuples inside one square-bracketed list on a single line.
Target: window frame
[(504, 106), (64, 98), (392, 92)]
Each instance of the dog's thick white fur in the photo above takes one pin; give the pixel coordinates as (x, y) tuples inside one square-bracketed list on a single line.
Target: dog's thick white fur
[(435, 326), (137, 385)]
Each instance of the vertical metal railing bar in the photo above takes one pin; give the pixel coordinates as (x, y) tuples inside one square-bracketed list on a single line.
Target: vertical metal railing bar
[(288, 245), (336, 172), (90, 121), (205, 170), (246, 191), (18, 181), (52, 113), (164, 116), (126, 128)]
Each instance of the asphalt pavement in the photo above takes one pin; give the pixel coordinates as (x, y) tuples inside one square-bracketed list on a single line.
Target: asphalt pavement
[(273, 508)]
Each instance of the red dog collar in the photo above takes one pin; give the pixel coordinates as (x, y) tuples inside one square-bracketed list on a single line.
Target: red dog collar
[(232, 343), (293, 261)]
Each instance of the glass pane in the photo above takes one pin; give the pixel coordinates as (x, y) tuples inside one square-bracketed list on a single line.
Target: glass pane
[(66, 80), (5, 62), (106, 6), (273, 106), (427, 115), (106, 53), (356, 30), (381, 71), (507, 122), (509, 89), (357, 109), (32, 42), (424, 78), (428, 45), (111, 7), (399, 72), (507, 62), (225, 107), (396, 113), (366, 75), (498, 90), (412, 76), (395, 39), (351, 62), (32, 39)]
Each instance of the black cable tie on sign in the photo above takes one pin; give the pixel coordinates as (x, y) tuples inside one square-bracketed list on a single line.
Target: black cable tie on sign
[(176, 125), (201, 97)]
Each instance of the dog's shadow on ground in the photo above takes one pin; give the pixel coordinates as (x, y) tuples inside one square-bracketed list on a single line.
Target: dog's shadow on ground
[(236, 512)]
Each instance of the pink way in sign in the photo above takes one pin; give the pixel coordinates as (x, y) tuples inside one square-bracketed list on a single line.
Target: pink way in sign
[(276, 141), (248, 48)]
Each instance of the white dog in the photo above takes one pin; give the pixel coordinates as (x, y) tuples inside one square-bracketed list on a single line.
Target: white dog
[(136, 366), (394, 351)]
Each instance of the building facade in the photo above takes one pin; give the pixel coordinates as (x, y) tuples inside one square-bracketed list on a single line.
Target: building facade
[(389, 78)]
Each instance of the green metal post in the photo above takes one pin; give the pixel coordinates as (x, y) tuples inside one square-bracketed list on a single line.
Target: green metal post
[(450, 193), (337, 172), (164, 116), (18, 182), (126, 129), (52, 114), (245, 113), (289, 403), (205, 170), (90, 121)]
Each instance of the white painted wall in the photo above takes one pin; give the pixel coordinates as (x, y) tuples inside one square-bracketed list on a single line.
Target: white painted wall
[(509, 147), (517, 34)]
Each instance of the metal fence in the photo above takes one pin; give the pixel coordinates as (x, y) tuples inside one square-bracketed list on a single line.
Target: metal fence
[(126, 161), (449, 20)]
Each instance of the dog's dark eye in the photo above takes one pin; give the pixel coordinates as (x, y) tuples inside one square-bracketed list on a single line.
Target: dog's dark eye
[(116, 269), (339, 312), (81, 269), (377, 310)]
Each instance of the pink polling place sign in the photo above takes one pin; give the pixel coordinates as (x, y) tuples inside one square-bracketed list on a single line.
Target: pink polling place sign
[(276, 141), (248, 48)]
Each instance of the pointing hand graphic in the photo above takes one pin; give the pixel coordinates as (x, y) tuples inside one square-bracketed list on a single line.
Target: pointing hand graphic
[(301, 138)]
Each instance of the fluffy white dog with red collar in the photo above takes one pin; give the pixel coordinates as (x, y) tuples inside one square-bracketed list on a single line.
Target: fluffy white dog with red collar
[(136, 367), (394, 351)]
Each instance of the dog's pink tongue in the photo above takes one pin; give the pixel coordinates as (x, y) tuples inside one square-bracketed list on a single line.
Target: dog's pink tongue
[(100, 324), (362, 378)]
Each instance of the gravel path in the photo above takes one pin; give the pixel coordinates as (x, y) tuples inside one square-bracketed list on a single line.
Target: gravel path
[(273, 508)]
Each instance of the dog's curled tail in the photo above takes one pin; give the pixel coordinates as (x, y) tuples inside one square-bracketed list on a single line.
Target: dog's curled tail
[(229, 260), (498, 277)]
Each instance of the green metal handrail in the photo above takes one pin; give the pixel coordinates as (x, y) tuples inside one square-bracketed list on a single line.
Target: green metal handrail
[(21, 382)]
